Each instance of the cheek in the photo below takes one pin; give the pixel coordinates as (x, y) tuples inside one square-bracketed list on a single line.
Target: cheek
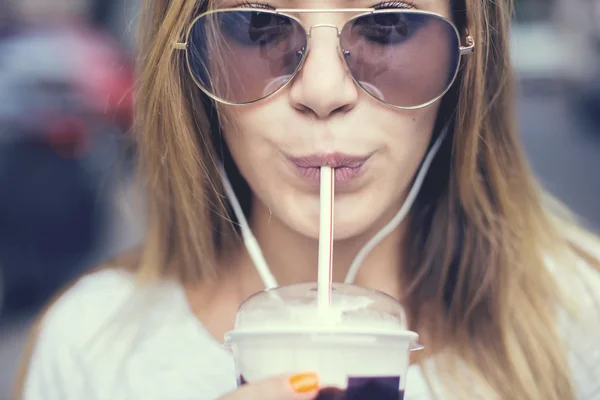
[(241, 143), (254, 131), (251, 148), (409, 136), (406, 145)]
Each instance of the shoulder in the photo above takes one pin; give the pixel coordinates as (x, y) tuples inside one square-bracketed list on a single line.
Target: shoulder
[(90, 303), (581, 333), (57, 366), (578, 277), (111, 337)]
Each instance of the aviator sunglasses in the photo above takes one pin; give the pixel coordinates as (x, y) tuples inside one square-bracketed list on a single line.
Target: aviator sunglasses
[(405, 58)]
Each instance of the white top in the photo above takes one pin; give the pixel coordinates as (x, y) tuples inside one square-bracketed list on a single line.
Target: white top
[(96, 344)]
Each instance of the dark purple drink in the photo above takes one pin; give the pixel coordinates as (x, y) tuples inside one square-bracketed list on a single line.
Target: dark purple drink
[(371, 388), (241, 381)]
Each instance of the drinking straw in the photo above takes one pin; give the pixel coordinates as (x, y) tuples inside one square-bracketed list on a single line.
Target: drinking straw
[(325, 266)]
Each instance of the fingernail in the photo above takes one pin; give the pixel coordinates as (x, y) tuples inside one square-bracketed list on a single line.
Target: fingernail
[(305, 382)]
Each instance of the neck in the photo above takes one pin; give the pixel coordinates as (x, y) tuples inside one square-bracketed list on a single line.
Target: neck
[(292, 257)]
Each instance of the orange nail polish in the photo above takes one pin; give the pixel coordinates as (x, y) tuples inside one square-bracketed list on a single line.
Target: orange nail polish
[(305, 382)]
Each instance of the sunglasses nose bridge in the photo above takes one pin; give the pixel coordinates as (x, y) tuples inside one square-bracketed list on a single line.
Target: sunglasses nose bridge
[(338, 33), (330, 26)]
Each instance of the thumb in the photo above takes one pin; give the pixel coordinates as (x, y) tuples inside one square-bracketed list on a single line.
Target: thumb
[(287, 387)]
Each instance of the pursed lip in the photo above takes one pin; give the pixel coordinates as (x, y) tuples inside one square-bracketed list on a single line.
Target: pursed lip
[(333, 160), (347, 167)]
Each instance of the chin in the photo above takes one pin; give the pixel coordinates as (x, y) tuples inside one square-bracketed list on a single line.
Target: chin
[(349, 229), (348, 225)]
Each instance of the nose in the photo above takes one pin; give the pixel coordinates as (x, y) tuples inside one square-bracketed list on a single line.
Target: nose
[(323, 86)]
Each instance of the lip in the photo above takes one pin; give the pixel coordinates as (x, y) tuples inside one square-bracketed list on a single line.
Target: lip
[(348, 168)]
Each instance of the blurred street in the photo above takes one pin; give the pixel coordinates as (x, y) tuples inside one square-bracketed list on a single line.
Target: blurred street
[(126, 231), (564, 152), (562, 143)]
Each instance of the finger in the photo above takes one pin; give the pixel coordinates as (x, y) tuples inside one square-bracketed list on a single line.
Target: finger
[(290, 387)]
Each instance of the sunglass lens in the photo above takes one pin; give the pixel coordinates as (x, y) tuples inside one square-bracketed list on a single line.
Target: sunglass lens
[(243, 56), (404, 58)]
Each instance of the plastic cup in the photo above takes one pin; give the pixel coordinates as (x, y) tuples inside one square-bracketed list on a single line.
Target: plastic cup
[(359, 347)]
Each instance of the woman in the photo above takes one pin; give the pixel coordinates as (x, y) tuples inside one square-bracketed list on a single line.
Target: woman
[(500, 285)]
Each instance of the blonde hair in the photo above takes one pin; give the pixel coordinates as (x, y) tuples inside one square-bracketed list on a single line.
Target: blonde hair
[(475, 276)]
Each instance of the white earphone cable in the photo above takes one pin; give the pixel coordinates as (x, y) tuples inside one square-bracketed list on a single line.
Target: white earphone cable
[(402, 213), (249, 240)]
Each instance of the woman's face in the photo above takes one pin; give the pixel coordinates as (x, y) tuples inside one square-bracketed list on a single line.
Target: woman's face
[(323, 118)]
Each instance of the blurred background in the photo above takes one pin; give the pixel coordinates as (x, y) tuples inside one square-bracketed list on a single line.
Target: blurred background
[(66, 75)]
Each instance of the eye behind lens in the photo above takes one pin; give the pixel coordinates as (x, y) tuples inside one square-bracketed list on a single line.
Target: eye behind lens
[(405, 59), (242, 56), (383, 28), (255, 28)]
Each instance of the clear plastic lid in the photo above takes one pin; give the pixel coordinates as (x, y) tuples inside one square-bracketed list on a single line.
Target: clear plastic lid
[(294, 309)]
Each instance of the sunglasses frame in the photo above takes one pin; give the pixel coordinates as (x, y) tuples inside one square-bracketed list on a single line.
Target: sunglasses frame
[(287, 12)]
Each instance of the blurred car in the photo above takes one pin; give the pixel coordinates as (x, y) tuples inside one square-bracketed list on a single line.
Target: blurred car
[(552, 40), (555, 45), (65, 110), (577, 22)]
